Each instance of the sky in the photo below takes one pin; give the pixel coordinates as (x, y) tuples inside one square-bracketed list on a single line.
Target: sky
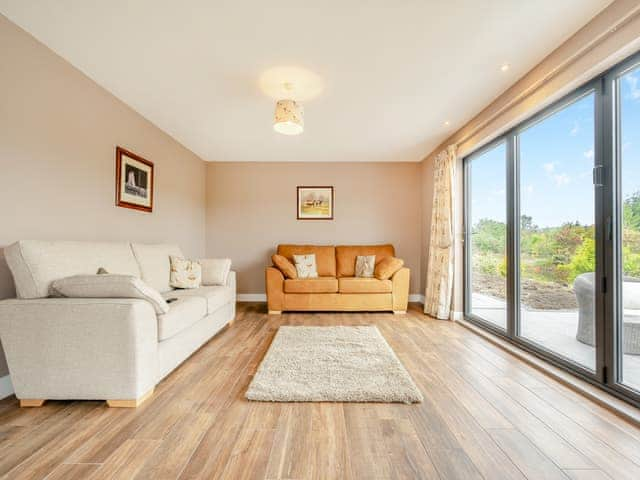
[(556, 161)]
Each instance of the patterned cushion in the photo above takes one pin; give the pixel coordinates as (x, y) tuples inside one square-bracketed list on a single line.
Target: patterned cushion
[(365, 265), (185, 273), (306, 266)]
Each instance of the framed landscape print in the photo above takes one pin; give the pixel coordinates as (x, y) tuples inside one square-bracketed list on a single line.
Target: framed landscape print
[(134, 181), (315, 203)]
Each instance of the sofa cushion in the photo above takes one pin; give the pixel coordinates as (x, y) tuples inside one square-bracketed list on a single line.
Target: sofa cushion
[(346, 256), (154, 263), (215, 295), (311, 285), (325, 256), (387, 267), (35, 264), (287, 268), (184, 273), (215, 271), (306, 266), (109, 286), (365, 265), (363, 285), (182, 313)]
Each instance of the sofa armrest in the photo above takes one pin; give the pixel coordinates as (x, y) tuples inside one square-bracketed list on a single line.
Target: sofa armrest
[(231, 280), (80, 348), (274, 285), (400, 289)]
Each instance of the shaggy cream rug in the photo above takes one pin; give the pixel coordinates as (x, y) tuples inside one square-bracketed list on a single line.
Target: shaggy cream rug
[(332, 364)]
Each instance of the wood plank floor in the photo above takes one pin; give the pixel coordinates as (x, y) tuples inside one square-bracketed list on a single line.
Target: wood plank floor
[(485, 415)]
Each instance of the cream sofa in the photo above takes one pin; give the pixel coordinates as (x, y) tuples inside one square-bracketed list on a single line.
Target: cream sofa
[(114, 349), (336, 288)]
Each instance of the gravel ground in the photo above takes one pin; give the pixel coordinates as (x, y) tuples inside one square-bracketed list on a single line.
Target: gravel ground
[(535, 295)]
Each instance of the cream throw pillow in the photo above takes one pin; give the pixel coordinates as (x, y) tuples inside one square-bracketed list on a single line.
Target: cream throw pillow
[(185, 273), (215, 270), (306, 266), (110, 285), (365, 265)]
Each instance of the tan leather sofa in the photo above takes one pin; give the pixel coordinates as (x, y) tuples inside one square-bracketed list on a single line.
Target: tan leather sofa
[(336, 288)]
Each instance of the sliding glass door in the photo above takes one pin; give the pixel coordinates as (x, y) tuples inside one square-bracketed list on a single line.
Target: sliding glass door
[(557, 241), (627, 328), (552, 232), (487, 215)]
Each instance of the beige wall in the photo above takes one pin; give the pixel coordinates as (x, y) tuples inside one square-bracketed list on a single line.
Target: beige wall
[(611, 36), (251, 207), (58, 132)]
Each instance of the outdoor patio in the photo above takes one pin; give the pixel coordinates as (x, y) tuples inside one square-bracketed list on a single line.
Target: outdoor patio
[(554, 330)]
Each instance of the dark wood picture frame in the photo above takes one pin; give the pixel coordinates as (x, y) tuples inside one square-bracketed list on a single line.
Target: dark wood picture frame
[(299, 187), (120, 202)]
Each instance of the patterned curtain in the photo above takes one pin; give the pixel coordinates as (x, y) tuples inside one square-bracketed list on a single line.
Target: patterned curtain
[(437, 298)]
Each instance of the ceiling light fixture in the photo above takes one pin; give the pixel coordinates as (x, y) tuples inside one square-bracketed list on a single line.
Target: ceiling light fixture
[(505, 67), (289, 118), (447, 123)]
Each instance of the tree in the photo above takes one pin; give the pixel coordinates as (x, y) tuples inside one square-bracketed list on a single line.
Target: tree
[(526, 223), (489, 236)]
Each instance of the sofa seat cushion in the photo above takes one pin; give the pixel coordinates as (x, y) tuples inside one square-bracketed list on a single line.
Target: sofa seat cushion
[(216, 296), (311, 285), (363, 285), (182, 313)]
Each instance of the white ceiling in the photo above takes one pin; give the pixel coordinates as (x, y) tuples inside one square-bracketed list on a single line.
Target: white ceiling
[(393, 71)]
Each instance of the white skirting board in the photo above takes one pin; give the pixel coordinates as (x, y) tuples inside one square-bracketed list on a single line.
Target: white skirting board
[(416, 297), (251, 297), (262, 297), (6, 388)]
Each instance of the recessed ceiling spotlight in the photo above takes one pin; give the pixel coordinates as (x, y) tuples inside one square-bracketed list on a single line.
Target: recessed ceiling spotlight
[(447, 123), (505, 67)]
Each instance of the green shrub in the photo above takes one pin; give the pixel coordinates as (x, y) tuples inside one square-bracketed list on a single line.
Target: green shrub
[(583, 261)]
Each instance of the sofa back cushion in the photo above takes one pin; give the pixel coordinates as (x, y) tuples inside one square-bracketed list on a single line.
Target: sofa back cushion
[(154, 263), (346, 256), (36, 264), (325, 256)]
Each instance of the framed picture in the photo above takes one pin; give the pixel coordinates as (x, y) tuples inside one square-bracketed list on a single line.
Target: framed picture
[(315, 203), (134, 181)]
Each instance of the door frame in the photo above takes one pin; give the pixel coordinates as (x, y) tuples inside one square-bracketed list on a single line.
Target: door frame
[(607, 202)]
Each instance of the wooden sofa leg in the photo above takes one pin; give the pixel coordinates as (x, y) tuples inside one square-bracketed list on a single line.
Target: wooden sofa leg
[(136, 402), (399, 312), (275, 312), (31, 402)]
